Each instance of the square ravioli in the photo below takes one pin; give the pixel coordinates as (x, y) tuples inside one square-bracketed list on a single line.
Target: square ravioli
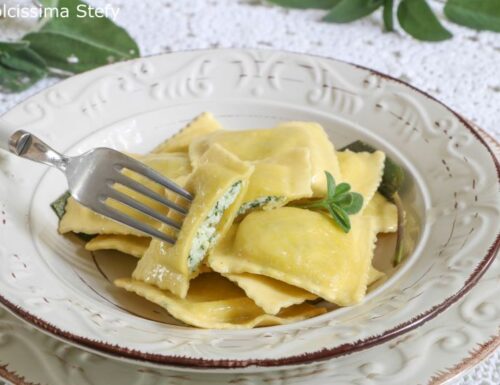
[(215, 302), (218, 185), (256, 145), (302, 248)]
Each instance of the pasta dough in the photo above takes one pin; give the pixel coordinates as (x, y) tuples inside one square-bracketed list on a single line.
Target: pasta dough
[(270, 294), (218, 173), (279, 179), (215, 302), (302, 248), (128, 244), (256, 145), (383, 213), (363, 171), (202, 125)]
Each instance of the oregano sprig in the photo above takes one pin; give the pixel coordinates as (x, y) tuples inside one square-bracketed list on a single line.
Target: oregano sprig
[(340, 202)]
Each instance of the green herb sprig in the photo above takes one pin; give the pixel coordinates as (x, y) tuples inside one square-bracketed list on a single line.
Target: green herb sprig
[(415, 17), (340, 202)]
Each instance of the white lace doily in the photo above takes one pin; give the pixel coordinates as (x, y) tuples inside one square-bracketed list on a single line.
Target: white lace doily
[(463, 72)]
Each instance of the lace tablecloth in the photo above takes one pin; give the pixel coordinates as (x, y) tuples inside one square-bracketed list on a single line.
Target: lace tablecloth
[(463, 72)]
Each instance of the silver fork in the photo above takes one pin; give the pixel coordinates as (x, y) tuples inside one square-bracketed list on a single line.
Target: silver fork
[(93, 176)]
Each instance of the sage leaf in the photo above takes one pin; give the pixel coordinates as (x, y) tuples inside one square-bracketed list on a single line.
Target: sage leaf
[(76, 44), (477, 14), (20, 67), (388, 15), (418, 20), (48, 3), (59, 208), (59, 205), (305, 4), (349, 10)]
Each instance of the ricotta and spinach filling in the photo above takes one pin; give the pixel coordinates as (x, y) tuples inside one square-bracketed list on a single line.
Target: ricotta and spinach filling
[(270, 200), (206, 236)]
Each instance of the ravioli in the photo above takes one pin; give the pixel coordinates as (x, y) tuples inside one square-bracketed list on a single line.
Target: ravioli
[(383, 212), (128, 244), (363, 171), (215, 302), (256, 145), (278, 180), (268, 293), (80, 219), (201, 125), (302, 248), (218, 184)]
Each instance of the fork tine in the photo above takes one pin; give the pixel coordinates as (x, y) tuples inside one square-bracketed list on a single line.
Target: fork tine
[(132, 184), (155, 176), (131, 222), (125, 199)]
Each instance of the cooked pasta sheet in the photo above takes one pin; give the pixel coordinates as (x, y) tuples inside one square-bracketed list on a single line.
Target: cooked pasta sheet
[(257, 145), (215, 302), (302, 248), (383, 213), (200, 126), (245, 257), (363, 171), (279, 179), (269, 293), (128, 244), (218, 184)]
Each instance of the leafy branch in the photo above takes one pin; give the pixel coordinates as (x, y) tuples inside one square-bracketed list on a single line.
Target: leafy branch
[(414, 16), (63, 46), (340, 202)]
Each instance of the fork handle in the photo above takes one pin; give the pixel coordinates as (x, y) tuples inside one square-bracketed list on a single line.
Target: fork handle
[(6, 132), (26, 145)]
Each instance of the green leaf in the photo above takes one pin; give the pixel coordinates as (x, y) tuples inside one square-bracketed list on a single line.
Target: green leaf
[(76, 44), (20, 67), (342, 200), (342, 188), (59, 205), (48, 3), (355, 205), (330, 185), (477, 14), (418, 20), (388, 15), (349, 10), (393, 176), (305, 4), (6, 47), (59, 208), (340, 217)]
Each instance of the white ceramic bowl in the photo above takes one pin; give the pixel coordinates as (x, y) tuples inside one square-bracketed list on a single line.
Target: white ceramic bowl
[(50, 281)]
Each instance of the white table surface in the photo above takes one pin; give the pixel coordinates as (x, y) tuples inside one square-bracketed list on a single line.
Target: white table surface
[(463, 72)]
